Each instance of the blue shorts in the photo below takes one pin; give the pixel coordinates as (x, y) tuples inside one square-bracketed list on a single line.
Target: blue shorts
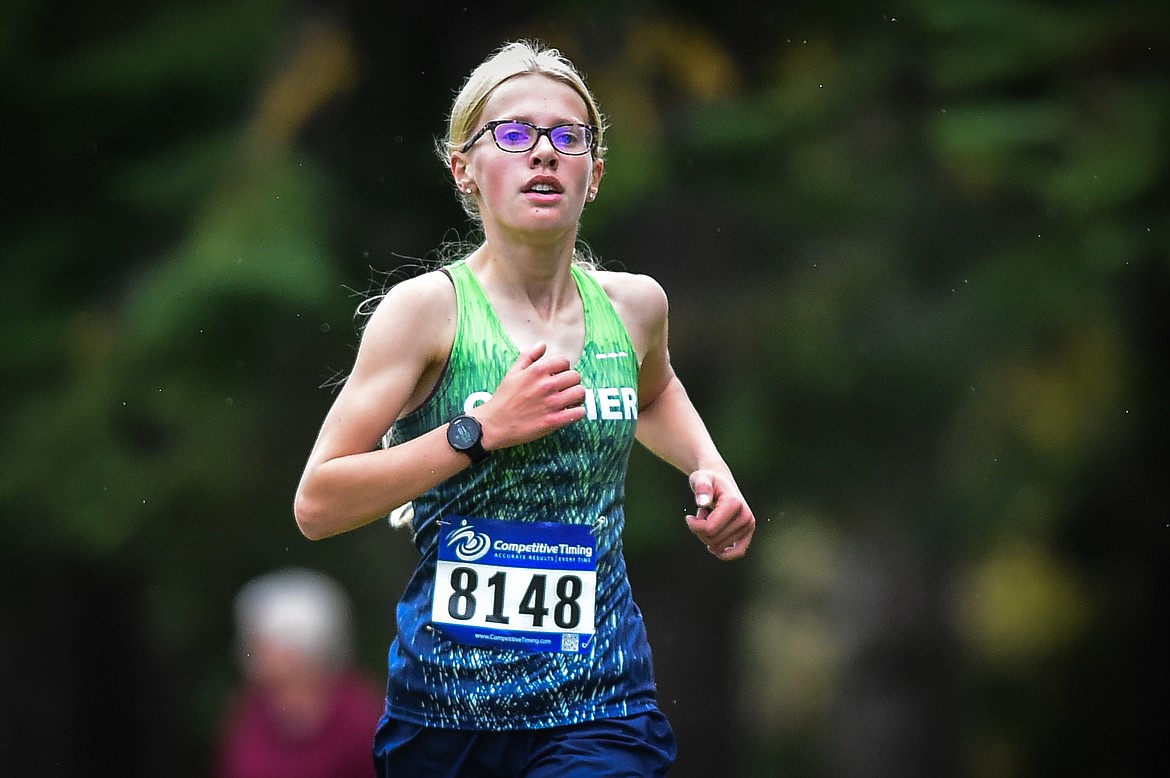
[(641, 746)]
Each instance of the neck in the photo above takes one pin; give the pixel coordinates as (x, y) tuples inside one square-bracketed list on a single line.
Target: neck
[(524, 273)]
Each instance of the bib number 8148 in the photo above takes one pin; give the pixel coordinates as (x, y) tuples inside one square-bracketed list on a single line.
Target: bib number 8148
[(532, 603), (507, 600)]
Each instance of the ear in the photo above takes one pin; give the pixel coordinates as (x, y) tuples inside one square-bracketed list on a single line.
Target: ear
[(595, 177), (460, 171)]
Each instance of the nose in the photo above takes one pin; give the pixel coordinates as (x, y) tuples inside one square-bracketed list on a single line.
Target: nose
[(543, 153)]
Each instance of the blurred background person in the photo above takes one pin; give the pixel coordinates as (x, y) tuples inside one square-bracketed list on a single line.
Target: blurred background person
[(304, 710)]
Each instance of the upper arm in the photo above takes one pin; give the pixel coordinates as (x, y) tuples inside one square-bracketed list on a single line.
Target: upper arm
[(402, 351), (642, 305)]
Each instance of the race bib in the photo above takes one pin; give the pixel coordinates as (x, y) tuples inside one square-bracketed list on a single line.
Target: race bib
[(507, 584)]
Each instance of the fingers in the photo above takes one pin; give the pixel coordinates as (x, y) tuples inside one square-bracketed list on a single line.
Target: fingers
[(722, 522), (703, 488), (537, 362), (540, 394), (554, 382), (734, 549), (530, 356), (726, 536)]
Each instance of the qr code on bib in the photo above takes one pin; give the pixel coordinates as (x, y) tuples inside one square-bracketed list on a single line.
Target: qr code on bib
[(570, 642)]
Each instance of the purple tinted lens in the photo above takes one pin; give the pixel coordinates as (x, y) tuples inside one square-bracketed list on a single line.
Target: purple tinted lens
[(570, 138), (514, 135)]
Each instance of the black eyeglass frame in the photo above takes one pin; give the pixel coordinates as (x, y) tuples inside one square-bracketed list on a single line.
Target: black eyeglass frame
[(490, 127)]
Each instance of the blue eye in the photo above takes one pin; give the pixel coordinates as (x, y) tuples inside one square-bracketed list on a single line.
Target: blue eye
[(514, 134), (568, 137)]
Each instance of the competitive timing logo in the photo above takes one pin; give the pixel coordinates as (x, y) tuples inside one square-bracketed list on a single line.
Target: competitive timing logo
[(469, 544)]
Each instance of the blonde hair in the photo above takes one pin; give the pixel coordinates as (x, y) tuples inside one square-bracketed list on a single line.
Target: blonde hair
[(512, 59)]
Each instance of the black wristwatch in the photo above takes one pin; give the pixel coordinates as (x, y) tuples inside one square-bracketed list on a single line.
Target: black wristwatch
[(465, 434)]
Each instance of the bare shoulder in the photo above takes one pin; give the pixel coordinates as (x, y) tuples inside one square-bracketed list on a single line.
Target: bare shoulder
[(411, 328), (416, 307), (632, 289), (404, 344), (640, 302)]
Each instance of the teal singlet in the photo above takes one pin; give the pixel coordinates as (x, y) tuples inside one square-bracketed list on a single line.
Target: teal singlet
[(519, 614)]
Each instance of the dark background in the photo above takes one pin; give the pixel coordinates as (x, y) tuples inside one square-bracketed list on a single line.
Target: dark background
[(918, 263)]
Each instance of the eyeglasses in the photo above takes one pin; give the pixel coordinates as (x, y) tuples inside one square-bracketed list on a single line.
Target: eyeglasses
[(516, 137)]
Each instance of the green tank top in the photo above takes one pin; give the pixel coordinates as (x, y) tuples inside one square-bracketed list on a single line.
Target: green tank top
[(574, 476)]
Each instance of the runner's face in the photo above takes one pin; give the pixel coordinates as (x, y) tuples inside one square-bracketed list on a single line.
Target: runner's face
[(536, 190)]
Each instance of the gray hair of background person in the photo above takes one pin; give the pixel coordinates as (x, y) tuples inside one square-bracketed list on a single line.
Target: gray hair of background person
[(296, 608)]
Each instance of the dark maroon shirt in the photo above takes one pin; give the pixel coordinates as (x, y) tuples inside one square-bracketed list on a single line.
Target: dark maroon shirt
[(254, 747)]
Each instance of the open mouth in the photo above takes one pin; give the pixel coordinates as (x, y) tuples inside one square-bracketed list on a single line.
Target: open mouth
[(544, 187)]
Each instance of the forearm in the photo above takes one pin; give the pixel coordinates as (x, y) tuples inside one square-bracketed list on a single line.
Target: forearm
[(672, 429), (348, 492)]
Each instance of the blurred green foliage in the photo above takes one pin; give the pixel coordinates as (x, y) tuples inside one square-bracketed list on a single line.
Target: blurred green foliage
[(918, 271)]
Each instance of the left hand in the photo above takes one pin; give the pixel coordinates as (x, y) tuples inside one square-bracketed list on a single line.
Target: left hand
[(722, 520)]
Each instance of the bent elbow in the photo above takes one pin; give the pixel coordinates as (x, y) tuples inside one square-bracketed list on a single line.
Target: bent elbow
[(309, 518)]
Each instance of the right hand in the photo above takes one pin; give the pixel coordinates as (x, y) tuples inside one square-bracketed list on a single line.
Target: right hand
[(538, 395)]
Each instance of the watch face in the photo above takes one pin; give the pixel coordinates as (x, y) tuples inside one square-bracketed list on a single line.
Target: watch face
[(462, 433)]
